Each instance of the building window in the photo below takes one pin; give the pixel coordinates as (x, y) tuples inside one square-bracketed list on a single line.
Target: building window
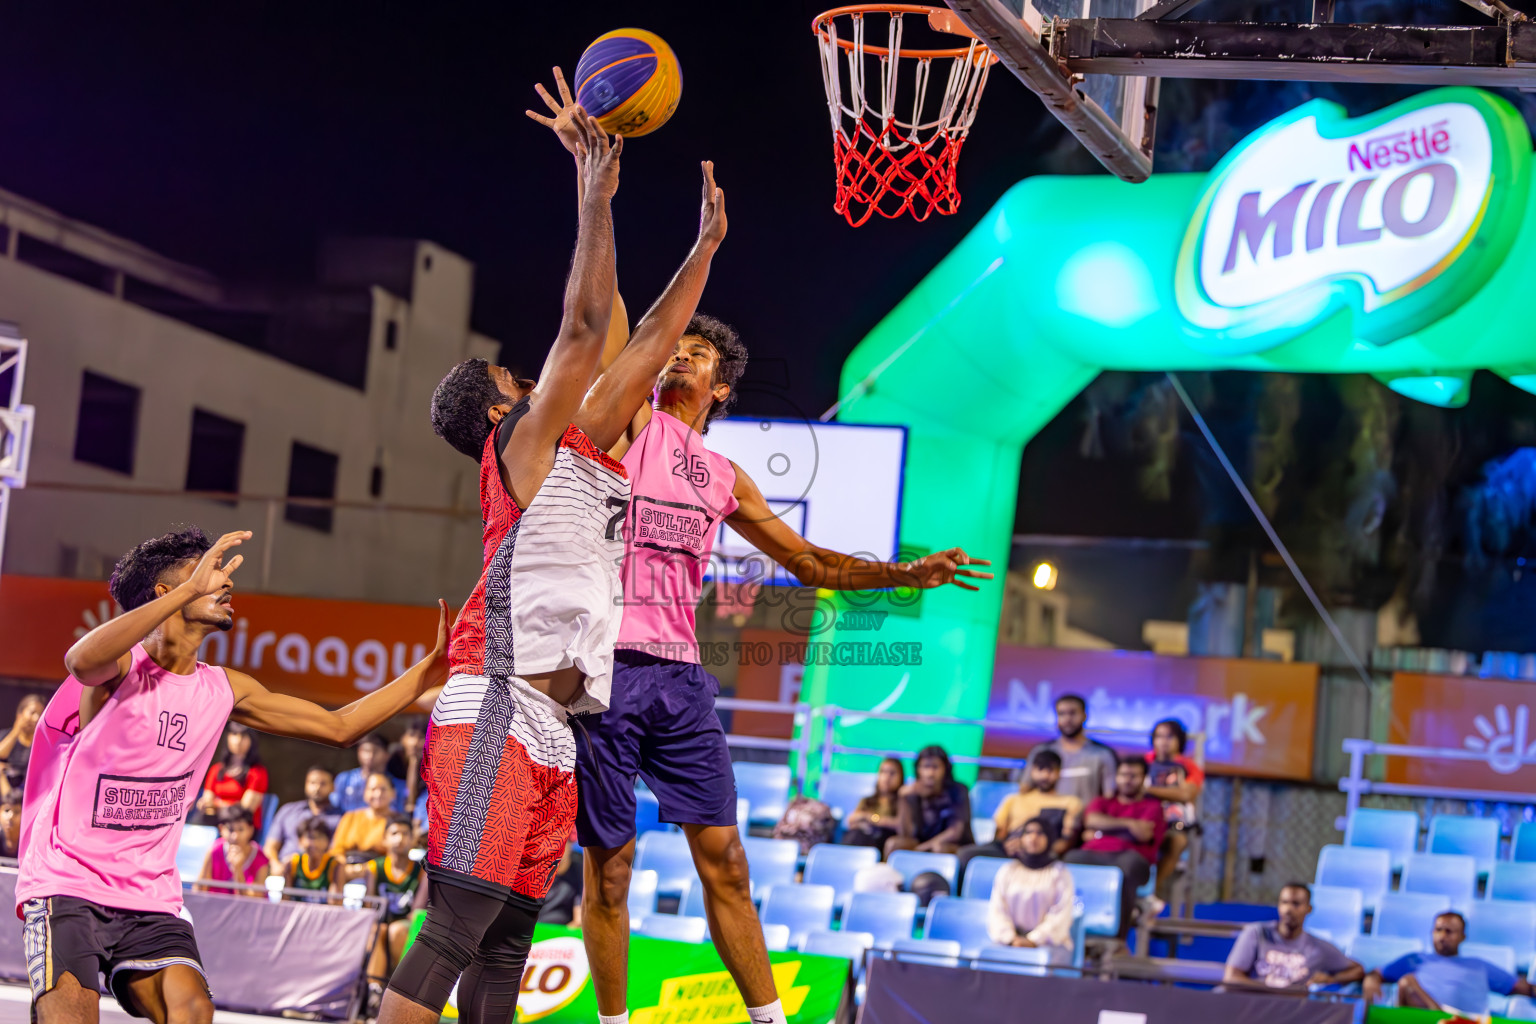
[(108, 426), (213, 460), (311, 474), (391, 335)]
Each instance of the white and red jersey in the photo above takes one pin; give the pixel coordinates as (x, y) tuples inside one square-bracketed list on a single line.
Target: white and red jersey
[(682, 491), (104, 805)]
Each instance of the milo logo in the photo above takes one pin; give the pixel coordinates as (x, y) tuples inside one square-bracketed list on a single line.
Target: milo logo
[(1398, 216)]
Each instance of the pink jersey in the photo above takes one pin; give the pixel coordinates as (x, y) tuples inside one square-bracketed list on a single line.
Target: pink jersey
[(681, 492), (104, 805), (218, 864)]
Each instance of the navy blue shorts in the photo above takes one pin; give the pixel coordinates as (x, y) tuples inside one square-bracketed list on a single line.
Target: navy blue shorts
[(661, 725)]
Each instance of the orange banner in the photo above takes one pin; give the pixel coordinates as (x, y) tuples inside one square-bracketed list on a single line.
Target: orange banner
[(1463, 713), (326, 651)]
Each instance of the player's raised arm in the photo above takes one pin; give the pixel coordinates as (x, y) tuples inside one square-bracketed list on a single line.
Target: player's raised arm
[(103, 655), (282, 715), (830, 570), (618, 402)]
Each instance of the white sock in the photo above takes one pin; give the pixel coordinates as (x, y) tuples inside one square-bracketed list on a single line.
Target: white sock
[(618, 1018), (773, 1013)]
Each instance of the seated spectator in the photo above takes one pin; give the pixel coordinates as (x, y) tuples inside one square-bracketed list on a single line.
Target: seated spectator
[(16, 745), (235, 857), (807, 821), (1175, 780), (1037, 799), (396, 877), (360, 833), (1087, 766), (875, 818), (1033, 896), (1443, 980), (935, 810), (1281, 955), (1123, 831), (283, 834), (238, 779), (925, 885), (314, 866), (10, 825), (405, 757), (372, 757)]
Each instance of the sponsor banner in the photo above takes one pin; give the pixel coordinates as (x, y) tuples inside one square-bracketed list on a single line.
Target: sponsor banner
[(1490, 716), (327, 651), (669, 983), (1257, 716), (776, 678)]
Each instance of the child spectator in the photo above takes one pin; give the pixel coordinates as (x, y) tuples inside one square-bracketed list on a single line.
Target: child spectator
[(372, 758), (237, 780), (405, 757), (396, 877), (235, 857), (1036, 799), (1033, 896), (16, 745), (1124, 831), (314, 866), (875, 819), (283, 834), (10, 825), (360, 834), (935, 810), (1175, 780)]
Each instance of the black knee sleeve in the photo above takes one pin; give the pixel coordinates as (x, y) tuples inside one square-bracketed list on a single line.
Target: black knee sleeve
[(488, 993), (431, 967)]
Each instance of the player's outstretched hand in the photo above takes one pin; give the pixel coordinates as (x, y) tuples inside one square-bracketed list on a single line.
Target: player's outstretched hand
[(211, 574), (563, 123), (598, 159), (943, 567), (712, 213), (437, 675)]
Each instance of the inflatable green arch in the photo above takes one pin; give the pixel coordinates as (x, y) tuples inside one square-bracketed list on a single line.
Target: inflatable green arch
[(1388, 244)]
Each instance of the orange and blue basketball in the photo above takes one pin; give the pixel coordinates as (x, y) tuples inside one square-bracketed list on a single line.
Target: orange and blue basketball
[(629, 79)]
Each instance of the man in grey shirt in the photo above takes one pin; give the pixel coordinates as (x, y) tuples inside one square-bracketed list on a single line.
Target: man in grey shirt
[(1281, 955), (1087, 766)]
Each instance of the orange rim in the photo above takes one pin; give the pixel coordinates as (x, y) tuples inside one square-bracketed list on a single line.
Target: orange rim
[(818, 26)]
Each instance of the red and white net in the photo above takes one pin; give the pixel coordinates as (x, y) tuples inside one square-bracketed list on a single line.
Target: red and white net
[(896, 147)]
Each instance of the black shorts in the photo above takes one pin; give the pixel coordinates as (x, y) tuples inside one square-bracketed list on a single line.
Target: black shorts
[(66, 935)]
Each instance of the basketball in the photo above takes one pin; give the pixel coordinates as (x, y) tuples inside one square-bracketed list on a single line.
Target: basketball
[(629, 79)]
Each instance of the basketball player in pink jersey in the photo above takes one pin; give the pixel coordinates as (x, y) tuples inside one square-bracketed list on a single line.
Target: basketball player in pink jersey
[(116, 766), (661, 722)]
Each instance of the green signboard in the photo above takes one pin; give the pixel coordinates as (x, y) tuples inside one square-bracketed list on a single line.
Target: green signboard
[(1399, 244)]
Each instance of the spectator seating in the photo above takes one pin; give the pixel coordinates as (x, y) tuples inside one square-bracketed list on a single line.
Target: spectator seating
[(984, 830), (776, 937), (268, 809), (1337, 914), (196, 841), (830, 864), (1374, 952), (887, 916), (1397, 832), (1500, 956), (668, 855), (988, 794), (940, 952), (800, 908), (1451, 875), (1014, 960), (1522, 846), (675, 927), (1512, 880), (1408, 915), (1098, 890), (743, 813), (979, 875), (771, 861), (965, 921), (846, 944), (765, 787), (842, 790), (642, 896), (1352, 867), (1478, 838), (912, 863), (1520, 1008), (1505, 923), (691, 902), (647, 813)]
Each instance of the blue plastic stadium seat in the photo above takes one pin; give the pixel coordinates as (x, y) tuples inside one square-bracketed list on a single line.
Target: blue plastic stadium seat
[(801, 908), (842, 790), (667, 854), (1478, 838), (984, 830), (1500, 956), (1394, 831), (1015, 960), (765, 787), (830, 864), (965, 921), (979, 876), (743, 813), (196, 841), (1098, 889), (1408, 915), (647, 813), (1354, 867), (1337, 914), (1522, 846), (912, 863), (268, 809), (1520, 1008), (887, 916), (1512, 880), (988, 794), (642, 896), (1453, 875), (691, 902), (940, 952), (1505, 923), (846, 944), (674, 927), (776, 937), (1374, 952), (771, 861)]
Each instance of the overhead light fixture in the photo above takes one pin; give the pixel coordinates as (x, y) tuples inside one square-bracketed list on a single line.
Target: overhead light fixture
[(1045, 576)]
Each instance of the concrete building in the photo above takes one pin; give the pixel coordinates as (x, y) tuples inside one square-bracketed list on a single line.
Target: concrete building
[(152, 379)]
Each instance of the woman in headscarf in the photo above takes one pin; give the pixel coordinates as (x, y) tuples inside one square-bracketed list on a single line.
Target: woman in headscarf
[(1033, 896)]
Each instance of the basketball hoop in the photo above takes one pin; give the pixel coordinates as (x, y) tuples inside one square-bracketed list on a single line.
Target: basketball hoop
[(885, 164)]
